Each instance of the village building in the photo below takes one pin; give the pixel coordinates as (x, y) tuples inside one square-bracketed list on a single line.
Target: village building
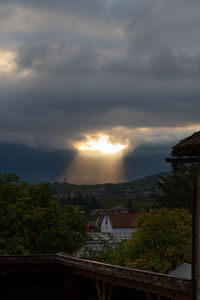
[(96, 241), (116, 209), (119, 222), (182, 271)]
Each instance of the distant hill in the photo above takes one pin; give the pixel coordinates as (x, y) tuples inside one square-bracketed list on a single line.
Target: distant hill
[(41, 165), (151, 179)]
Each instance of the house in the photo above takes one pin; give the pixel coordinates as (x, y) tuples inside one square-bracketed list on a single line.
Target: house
[(118, 209), (119, 222), (183, 271), (96, 241), (94, 226)]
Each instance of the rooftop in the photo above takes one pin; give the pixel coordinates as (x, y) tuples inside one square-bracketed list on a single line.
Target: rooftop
[(183, 271), (189, 146), (125, 220)]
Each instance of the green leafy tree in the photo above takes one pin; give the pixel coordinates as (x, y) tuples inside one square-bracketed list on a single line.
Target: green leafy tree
[(32, 222), (175, 191), (94, 203), (130, 205), (109, 251), (162, 243)]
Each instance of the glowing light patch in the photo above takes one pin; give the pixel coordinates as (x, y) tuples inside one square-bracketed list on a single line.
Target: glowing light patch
[(102, 145)]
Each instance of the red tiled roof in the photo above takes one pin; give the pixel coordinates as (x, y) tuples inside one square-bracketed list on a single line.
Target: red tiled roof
[(125, 220), (118, 207)]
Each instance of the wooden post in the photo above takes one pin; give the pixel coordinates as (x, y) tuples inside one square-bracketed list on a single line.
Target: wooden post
[(68, 285), (104, 292), (110, 291), (197, 241), (148, 296), (99, 289)]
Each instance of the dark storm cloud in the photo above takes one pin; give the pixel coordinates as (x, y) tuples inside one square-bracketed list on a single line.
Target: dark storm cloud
[(94, 65)]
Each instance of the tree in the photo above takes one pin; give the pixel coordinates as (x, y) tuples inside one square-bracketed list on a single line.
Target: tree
[(162, 243), (80, 200), (130, 205), (94, 204), (109, 252), (175, 191), (32, 222), (41, 193)]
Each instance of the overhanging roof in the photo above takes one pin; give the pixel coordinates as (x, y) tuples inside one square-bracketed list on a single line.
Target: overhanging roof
[(189, 146)]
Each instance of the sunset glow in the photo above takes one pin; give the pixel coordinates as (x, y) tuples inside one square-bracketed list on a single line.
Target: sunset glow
[(102, 144)]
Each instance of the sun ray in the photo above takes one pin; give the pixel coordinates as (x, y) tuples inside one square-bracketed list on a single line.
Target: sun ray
[(99, 160), (90, 168)]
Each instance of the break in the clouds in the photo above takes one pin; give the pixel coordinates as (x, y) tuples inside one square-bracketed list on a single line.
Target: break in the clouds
[(68, 68)]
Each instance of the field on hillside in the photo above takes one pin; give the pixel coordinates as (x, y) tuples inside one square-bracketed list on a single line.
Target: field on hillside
[(138, 204)]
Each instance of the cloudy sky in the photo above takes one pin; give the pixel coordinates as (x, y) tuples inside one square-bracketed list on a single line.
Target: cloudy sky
[(127, 68)]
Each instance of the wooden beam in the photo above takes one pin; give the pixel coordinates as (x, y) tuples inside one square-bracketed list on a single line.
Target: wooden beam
[(197, 241), (68, 285), (166, 289), (104, 290), (148, 296), (179, 160), (98, 286), (110, 291)]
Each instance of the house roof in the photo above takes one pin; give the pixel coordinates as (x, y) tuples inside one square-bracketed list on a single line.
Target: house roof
[(189, 146), (96, 239), (125, 220), (183, 271), (118, 207)]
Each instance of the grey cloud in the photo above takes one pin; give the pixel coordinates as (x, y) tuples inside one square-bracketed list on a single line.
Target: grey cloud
[(86, 7), (28, 56), (58, 59), (147, 75), (62, 59)]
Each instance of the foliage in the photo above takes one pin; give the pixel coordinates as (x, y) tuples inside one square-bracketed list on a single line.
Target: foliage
[(87, 203), (31, 222), (162, 243), (175, 191), (110, 249), (130, 205)]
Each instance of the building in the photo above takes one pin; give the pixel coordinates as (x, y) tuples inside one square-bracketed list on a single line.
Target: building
[(96, 241), (118, 209), (119, 222), (183, 271), (63, 277)]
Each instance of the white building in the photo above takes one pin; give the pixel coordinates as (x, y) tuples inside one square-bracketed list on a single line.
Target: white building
[(183, 271), (119, 222)]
